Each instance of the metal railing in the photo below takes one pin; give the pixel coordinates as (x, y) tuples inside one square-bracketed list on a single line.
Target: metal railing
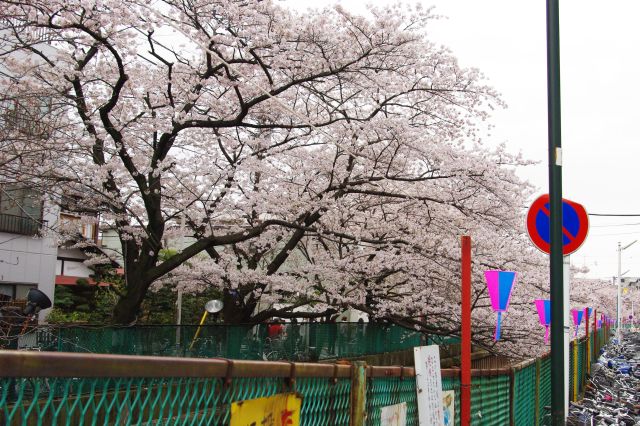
[(20, 224)]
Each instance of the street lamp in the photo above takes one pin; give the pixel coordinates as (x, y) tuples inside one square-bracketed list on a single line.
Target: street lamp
[(619, 310)]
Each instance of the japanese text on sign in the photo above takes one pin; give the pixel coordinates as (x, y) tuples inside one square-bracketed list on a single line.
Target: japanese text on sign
[(428, 385)]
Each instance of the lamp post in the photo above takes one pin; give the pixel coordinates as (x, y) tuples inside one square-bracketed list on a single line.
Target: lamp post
[(619, 309)]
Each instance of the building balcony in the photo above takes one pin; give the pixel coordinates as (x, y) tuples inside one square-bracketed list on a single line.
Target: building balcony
[(19, 224)]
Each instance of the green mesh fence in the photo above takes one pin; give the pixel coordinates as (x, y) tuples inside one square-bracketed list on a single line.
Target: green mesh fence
[(582, 347), (175, 401), (525, 395), (324, 402), (490, 400), (572, 363), (200, 401), (294, 342), (544, 391), (384, 391)]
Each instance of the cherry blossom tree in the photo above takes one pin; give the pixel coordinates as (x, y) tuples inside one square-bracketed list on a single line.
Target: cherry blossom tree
[(324, 160)]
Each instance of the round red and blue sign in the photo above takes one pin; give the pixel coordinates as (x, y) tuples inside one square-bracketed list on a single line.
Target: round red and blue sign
[(575, 224)]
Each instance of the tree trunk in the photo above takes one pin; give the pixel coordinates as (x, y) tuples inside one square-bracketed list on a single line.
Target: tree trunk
[(128, 306), (234, 310)]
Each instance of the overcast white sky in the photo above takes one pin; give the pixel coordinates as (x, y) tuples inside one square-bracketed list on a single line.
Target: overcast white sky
[(600, 55)]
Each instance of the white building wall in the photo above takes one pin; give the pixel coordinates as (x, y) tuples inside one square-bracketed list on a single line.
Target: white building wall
[(30, 261)]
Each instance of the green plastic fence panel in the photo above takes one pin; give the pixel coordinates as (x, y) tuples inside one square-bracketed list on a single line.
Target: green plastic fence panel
[(490, 400), (453, 383), (525, 395), (544, 391), (582, 347), (384, 391), (177, 401), (572, 363), (297, 342), (323, 401)]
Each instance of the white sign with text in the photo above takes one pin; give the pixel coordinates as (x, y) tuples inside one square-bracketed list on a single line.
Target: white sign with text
[(428, 385)]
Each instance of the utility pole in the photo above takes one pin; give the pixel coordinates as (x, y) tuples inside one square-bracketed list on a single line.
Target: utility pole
[(618, 299), (555, 217), (619, 308)]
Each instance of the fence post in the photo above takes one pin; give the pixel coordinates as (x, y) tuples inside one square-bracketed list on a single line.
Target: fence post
[(358, 394), (575, 370), (595, 334), (537, 401), (583, 374), (587, 349)]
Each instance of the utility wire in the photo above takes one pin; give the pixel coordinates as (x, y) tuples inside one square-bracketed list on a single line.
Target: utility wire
[(614, 214), (615, 225)]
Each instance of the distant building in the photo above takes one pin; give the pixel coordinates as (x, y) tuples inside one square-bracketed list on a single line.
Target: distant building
[(26, 261), (632, 283), (29, 252)]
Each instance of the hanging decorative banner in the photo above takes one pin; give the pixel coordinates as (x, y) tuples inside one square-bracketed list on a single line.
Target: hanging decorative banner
[(499, 284), (599, 323), (544, 313), (590, 312), (577, 319)]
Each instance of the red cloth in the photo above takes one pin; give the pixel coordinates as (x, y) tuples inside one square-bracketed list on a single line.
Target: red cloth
[(274, 330)]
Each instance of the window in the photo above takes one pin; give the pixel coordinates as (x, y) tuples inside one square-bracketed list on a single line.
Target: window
[(15, 291), (20, 210), (25, 116)]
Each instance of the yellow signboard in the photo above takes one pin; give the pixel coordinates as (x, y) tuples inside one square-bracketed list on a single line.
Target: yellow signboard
[(277, 410)]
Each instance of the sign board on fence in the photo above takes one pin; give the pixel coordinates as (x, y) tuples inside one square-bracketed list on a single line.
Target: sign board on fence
[(281, 410), (394, 415), (449, 407), (428, 385)]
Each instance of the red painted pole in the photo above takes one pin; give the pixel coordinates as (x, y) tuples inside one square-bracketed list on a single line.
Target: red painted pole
[(587, 353), (465, 347), (595, 334)]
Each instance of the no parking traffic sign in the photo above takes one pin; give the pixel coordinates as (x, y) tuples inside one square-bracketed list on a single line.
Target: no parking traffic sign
[(575, 224)]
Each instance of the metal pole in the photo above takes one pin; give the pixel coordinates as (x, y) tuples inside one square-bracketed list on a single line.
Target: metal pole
[(619, 309), (358, 410), (619, 305), (195, 337), (179, 317), (587, 352), (595, 335), (465, 354), (555, 201), (566, 309), (179, 299)]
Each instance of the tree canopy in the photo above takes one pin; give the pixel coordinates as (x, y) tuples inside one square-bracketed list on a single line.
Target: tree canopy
[(323, 160)]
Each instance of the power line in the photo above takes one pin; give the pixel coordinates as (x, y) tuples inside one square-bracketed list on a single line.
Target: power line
[(609, 235), (614, 225), (614, 214)]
